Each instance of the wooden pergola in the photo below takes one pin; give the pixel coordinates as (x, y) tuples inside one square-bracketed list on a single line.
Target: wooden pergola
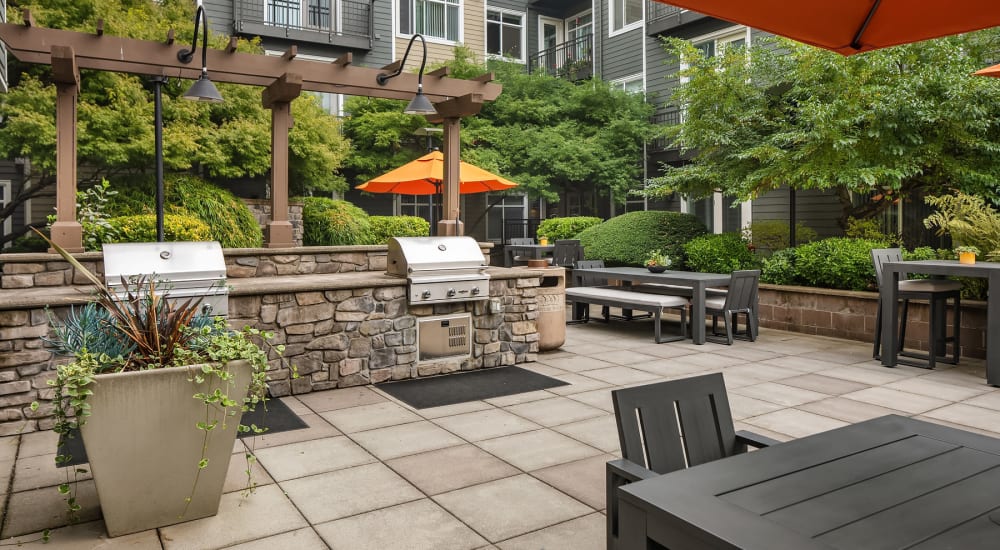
[(283, 79)]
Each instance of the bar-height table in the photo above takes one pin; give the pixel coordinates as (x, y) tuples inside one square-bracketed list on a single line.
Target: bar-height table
[(891, 272), (697, 281), (891, 482)]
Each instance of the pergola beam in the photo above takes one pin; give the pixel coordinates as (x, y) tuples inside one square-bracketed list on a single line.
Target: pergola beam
[(30, 44)]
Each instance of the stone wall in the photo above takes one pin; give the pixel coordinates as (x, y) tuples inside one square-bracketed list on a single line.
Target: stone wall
[(851, 315), (261, 210)]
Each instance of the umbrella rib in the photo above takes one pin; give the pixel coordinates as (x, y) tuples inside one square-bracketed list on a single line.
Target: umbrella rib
[(856, 43)]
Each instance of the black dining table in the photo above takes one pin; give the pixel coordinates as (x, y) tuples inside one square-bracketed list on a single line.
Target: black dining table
[(891, 482), (891, 274), (696, 281)]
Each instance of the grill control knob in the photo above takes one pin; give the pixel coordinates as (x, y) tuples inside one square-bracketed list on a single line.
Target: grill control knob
[(451, 292), (426, 295), (475, 291)]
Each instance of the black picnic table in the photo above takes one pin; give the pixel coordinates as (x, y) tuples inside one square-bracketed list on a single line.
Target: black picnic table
[(891, 482)]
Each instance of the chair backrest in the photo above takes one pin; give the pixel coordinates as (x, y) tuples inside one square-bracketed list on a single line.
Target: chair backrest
[(742, 294), (880, 256), (671, 425), (566, 252), (521, 241), (590, 280)]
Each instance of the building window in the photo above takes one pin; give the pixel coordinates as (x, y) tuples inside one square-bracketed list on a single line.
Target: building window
[(284, 13), (625, 14), (505, 34), (289, 13), (318, 13), (630, 84), (431, 18)]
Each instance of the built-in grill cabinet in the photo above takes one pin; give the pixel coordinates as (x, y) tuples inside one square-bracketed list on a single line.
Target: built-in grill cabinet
[(184, 270)]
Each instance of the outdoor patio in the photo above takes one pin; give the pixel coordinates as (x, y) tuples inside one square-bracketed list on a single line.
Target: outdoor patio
[(525, 471)]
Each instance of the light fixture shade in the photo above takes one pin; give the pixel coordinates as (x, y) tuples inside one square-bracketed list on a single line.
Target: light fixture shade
[(203, 90), (420, 105)]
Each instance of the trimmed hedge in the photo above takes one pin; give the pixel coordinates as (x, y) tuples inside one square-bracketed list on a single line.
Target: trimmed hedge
[(627, 239), (142, 228), (385, 227), (838, 262), (722, 253), (773, 235), (328, 222), (565, 228), (779, 269)]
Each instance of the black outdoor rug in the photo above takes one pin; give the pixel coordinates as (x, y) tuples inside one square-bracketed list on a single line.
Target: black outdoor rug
[(277, 418), (460, 387)]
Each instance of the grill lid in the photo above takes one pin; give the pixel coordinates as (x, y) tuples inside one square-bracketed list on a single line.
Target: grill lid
[(434, 256)]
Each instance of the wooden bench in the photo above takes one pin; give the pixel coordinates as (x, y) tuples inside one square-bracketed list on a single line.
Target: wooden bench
[(628, 300)]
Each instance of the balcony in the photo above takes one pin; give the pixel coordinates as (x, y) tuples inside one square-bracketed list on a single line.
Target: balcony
[(572, 60), (343, 23), (670, 117), (661, 17)]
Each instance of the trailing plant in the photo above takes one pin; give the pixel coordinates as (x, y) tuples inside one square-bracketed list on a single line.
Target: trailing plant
[(566, 228), (145, 329), (721, 253)]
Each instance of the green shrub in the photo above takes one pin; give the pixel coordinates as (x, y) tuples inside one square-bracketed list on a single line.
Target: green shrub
[(29, 242), (837, 263), (142, 228), (723, 253), (230, 221), (869, 228), (779, 269), (627, 239), (329, 222), (773, 235), (565, 228), (384, 227)]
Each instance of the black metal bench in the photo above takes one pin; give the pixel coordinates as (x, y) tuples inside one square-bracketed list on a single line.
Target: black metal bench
[(629, 300)]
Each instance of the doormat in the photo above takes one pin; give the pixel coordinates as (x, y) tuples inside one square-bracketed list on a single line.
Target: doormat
[(460, 387), (277, 418)]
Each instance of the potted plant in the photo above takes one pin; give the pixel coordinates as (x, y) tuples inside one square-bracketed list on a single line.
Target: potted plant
[(543, 240), (156, 391), (966, 254), (657, 261)]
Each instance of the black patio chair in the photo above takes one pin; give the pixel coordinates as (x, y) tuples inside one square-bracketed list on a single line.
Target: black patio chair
[(670, 426), (513, 253), (740, 298), (937, 292), (566, 252)]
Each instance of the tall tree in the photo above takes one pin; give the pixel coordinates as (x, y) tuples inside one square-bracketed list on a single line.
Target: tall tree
[(886, 122), (115, 112), (548, 134)]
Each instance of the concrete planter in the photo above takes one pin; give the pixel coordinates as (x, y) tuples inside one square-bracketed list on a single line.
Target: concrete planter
[(144, 446)]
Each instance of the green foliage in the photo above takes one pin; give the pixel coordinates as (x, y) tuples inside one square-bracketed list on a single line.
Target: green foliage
[(837, 263), (722, 253), (91, 211), (384, 227), (627, 239), (142, 228), (329, 222), (773, 235), (230, 221), (657, 259), (566, 228), (88, 328), (779, 268), (870, 229), (786, 113), (969, 220)]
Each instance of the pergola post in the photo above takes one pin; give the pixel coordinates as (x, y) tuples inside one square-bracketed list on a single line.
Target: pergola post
[(278, 98), (450, 224), (66, 231)]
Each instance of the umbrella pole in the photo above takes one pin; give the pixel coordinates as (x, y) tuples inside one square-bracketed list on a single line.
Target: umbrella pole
[(431, 205)]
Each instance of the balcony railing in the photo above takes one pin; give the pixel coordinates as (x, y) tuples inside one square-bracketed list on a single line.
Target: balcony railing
[(345, 23), (572, 60), (670, 117), (658, 10)]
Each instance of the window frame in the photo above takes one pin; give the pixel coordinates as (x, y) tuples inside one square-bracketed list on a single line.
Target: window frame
[(411, 24), (524, 33), (620, 83), (626, 27)]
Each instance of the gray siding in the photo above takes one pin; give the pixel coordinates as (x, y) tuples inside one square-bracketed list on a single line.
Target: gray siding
[(816, 209), (617, 56)]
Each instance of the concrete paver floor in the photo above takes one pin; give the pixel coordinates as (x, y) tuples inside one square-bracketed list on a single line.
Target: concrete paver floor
[(518, 472)]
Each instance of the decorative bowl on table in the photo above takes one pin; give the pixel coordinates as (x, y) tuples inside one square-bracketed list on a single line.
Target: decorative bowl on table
[(656, 268)]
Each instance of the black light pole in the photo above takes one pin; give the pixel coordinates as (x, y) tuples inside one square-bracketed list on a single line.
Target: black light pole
[(158, 82)]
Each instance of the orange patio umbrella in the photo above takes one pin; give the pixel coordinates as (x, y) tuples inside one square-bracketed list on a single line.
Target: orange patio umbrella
[(989, 71), (853, 26), (425, 175)]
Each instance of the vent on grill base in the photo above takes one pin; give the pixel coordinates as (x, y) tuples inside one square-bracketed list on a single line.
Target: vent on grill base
[(444, 336)]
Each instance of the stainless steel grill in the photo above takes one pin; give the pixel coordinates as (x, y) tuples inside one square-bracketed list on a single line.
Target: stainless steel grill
[(185, 269), (439, 269)]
